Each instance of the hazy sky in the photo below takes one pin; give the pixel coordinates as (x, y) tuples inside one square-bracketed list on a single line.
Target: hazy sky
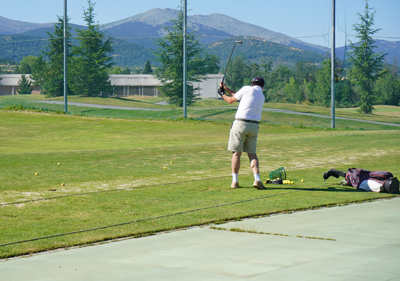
[(308, 20)]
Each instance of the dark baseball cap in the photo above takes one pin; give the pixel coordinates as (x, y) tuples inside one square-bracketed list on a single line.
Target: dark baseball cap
[(258, 81)]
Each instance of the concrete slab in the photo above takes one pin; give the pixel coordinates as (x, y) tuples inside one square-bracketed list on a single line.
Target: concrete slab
[(356, 242)]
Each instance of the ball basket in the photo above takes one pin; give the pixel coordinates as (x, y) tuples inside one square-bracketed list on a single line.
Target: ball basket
[(278, 174)]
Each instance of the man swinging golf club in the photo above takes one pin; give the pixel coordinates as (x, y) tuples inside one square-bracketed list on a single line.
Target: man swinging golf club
[(244, 130)]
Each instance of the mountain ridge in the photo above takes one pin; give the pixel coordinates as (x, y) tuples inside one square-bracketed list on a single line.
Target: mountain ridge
[(217, 26), (168, 15), (141, 30), (11, 27), (231, 27)]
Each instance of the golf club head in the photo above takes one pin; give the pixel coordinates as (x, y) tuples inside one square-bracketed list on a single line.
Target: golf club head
[(239, 42)]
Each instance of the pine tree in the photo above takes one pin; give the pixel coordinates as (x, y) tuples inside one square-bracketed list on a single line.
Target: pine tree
[(53, 84), (25, 86), (170, 55), (147, 68), (366, 64), (91, 61)]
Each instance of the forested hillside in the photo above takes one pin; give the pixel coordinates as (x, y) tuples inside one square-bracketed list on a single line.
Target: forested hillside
[(126, 54), (256, 49), (15, 47)]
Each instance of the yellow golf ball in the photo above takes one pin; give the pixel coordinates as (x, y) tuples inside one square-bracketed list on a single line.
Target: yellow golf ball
[(302, 180), (59, 163), (165, 167), (170, 162), (36, 174)]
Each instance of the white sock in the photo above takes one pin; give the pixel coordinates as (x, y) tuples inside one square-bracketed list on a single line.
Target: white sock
[(257, 177), (235, 178)]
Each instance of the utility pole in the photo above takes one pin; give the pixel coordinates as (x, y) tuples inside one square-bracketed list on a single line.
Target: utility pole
[(333, 68), (65, 56), (184, 58)]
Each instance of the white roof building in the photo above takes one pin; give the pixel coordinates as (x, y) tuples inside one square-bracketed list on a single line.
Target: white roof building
[(125, 85)]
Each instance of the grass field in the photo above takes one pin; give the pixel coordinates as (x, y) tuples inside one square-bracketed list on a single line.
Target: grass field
[(71, 180), (209, 109)]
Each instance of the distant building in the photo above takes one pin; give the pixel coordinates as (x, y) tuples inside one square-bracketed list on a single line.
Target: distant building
[(125, 85), (9, 84), (135, 84), (208, 88)]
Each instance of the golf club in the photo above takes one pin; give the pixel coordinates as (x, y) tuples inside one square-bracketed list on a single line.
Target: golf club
[(223, 78)]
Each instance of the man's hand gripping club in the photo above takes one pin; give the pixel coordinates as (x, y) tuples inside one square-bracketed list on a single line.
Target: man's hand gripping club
[(221, 91)]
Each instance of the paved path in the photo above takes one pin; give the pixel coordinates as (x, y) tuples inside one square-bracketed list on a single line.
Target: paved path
[(264, 109), (357, 242), (324, 116), (102, 106)]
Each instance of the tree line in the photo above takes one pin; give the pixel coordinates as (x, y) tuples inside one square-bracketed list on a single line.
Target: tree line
[(307, 83), (88, 60), (364, 81)]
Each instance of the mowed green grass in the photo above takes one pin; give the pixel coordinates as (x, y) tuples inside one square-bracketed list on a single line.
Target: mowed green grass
[(210, 109), (134, 177)]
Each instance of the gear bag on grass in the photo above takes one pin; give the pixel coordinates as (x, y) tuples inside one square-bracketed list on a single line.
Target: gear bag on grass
[(388, 183)]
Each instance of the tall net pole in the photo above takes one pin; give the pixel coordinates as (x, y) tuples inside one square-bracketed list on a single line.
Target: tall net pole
[(184, 58), (65, 56), (333, 68)]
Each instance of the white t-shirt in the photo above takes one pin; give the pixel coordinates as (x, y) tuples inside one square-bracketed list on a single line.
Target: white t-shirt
[(251, 103)]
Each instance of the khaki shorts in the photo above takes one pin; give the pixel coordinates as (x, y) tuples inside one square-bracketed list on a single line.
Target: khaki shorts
[(243, 137)]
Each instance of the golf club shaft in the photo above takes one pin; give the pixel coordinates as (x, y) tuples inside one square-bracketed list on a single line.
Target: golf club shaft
[(240, 42)]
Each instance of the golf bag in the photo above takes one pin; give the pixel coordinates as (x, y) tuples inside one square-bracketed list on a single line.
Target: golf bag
[(364, 179)]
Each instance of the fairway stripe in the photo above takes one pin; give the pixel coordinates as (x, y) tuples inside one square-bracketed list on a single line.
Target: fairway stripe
[(153, 218), (143, 186), (103, 191)]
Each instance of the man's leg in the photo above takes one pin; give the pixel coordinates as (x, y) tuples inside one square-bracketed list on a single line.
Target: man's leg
[(254, 163), (256, 171), (235, 168), (236, 162)]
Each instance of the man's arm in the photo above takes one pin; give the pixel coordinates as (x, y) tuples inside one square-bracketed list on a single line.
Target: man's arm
[(229, 99)]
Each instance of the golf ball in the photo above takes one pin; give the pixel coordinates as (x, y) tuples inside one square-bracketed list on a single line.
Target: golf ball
[(59, 163), (62, 184), (36, 174), (302, 180), (170, 162), (165, 167)]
